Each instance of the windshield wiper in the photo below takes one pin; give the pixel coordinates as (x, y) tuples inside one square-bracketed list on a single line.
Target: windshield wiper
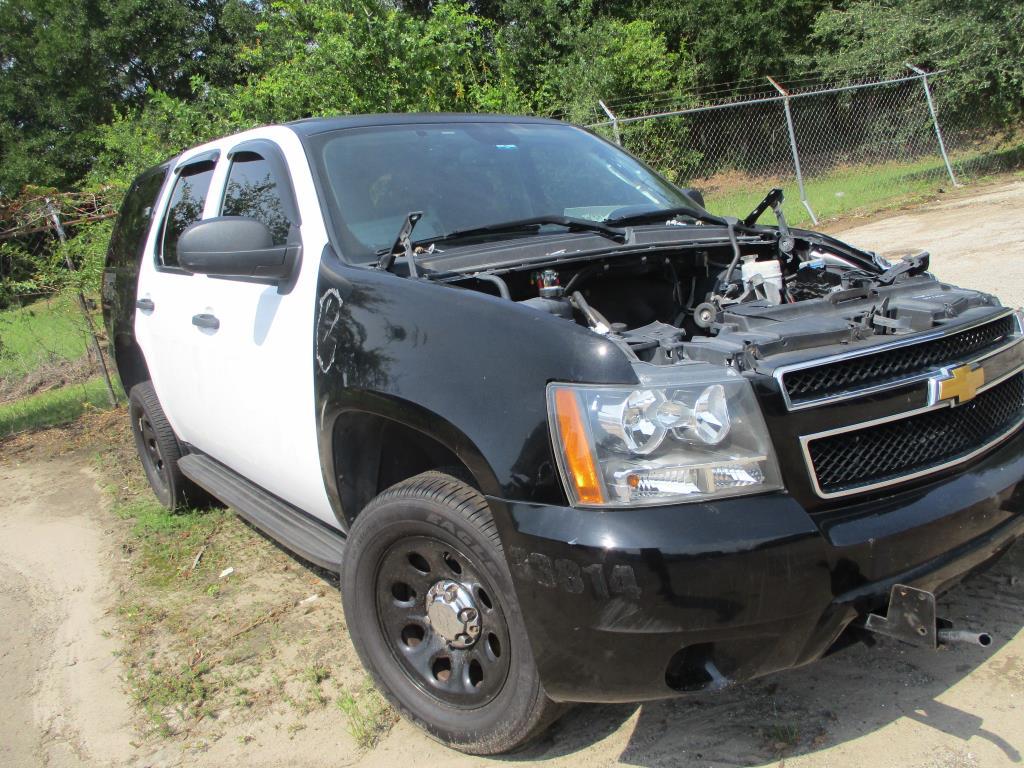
[(664, 214), (532, 224)]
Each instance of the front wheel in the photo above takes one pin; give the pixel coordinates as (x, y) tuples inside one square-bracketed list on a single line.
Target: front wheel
[(430, 607)]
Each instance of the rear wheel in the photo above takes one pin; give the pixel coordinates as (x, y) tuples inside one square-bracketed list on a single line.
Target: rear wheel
[(431, 610), (159, 449)]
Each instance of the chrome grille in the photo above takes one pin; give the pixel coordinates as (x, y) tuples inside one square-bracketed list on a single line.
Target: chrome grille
[(889, 366), (898, 449)]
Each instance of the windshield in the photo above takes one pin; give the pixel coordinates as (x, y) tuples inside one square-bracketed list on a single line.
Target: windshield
[(470, 175)]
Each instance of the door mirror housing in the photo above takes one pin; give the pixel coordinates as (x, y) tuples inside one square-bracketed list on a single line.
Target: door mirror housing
[(238, 247), (696, 195)]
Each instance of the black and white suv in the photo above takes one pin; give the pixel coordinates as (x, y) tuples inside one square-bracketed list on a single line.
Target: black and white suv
[(566, 435)]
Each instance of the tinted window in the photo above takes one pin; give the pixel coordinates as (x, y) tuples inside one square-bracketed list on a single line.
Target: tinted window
[(133, 220), (186, 207), (466, 175), (254, 190)]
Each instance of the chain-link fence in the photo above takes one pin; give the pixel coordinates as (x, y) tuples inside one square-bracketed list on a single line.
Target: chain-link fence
[(834, 149), (52, 361)]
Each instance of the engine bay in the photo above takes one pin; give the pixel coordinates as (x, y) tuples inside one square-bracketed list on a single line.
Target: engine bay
[(740, 300)]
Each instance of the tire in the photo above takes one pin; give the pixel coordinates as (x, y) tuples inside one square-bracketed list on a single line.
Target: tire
[(476, 691), (159, 450)]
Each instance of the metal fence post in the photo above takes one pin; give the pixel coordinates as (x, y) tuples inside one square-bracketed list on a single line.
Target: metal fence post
[(615, 122), (62, 236), (792, 145), (935, 121)]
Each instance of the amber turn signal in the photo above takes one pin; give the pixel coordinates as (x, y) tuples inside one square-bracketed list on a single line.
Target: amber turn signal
[(579, 460)]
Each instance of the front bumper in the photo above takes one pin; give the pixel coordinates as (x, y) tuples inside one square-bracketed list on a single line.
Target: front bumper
[(629, 605)]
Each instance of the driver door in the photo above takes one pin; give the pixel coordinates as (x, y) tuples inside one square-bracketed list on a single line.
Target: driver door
[(257, 365)]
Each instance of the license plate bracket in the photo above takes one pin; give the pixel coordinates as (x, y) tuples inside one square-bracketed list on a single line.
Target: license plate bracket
[(910, 617)]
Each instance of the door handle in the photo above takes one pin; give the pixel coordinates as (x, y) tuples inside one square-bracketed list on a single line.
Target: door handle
[(146, 305), (206, 321)]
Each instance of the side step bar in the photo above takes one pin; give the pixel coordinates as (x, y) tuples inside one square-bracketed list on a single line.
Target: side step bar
[(291, 527)]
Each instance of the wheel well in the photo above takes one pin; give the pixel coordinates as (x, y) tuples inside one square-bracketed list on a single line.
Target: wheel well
[(372, 453)]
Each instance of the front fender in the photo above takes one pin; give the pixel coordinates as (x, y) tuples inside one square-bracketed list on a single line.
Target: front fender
[(467, 368)]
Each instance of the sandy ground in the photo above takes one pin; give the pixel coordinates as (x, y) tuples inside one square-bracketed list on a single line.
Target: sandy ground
[(64, 702), (975, 237)]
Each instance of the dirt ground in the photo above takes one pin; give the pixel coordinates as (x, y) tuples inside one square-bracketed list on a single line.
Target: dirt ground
[(62, 668)]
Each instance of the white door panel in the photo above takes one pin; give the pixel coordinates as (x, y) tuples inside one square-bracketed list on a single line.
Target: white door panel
[(244, 393), (258, 366)]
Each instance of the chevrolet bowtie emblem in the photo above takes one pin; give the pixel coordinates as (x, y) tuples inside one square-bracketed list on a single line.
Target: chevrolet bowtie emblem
[(960, 384)]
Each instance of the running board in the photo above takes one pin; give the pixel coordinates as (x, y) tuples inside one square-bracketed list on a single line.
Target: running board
[(291, 527)]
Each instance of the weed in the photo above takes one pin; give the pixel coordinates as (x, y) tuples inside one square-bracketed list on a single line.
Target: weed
[(159, 690), (781, 736), (369, 716)]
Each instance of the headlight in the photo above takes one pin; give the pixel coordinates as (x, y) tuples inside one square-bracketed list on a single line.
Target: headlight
[(660, 444)]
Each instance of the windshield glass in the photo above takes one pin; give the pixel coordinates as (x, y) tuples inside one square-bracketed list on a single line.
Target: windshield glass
[(468, 175)]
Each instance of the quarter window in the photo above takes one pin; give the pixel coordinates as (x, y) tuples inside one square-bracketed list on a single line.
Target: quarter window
[(254, 190), (186, 206)]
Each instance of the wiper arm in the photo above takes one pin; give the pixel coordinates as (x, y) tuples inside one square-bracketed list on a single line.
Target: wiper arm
[(571, 223), (665, 214)]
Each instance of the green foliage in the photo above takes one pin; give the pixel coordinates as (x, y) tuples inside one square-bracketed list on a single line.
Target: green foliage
[(52, 407), (737, 40), (47, 331), (980, 44), (327, 57), (68, 67), (610, 60)]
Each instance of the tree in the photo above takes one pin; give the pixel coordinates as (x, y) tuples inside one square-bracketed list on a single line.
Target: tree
[(54, 90), (65, 68), (980, 44)]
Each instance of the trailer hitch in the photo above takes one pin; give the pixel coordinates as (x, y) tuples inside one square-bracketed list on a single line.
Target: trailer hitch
[(911, 618)]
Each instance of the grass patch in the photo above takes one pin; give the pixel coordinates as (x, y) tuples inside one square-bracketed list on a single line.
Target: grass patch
[(855, 189), (168, 694), (47, 331), (205, 654), (52, 407), (172, 545), (369, 717)]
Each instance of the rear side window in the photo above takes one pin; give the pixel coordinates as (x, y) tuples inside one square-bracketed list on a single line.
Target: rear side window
[(185, 207), (129, 236), (255, 190)]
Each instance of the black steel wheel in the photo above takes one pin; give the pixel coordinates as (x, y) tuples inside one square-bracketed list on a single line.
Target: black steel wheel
[(445, 629), (159, 449), (431, 610)]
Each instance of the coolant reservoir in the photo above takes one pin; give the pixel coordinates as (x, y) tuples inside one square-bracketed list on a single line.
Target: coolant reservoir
[(769, 270)]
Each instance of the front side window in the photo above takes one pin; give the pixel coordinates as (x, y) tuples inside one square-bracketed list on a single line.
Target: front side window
[(255, 191), (465, 175), (186, 207)]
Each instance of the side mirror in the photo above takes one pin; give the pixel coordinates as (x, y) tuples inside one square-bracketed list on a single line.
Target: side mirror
[(694, 194), (236, 246)]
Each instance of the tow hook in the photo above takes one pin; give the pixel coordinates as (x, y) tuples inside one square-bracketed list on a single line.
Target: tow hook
[(911, 618)]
